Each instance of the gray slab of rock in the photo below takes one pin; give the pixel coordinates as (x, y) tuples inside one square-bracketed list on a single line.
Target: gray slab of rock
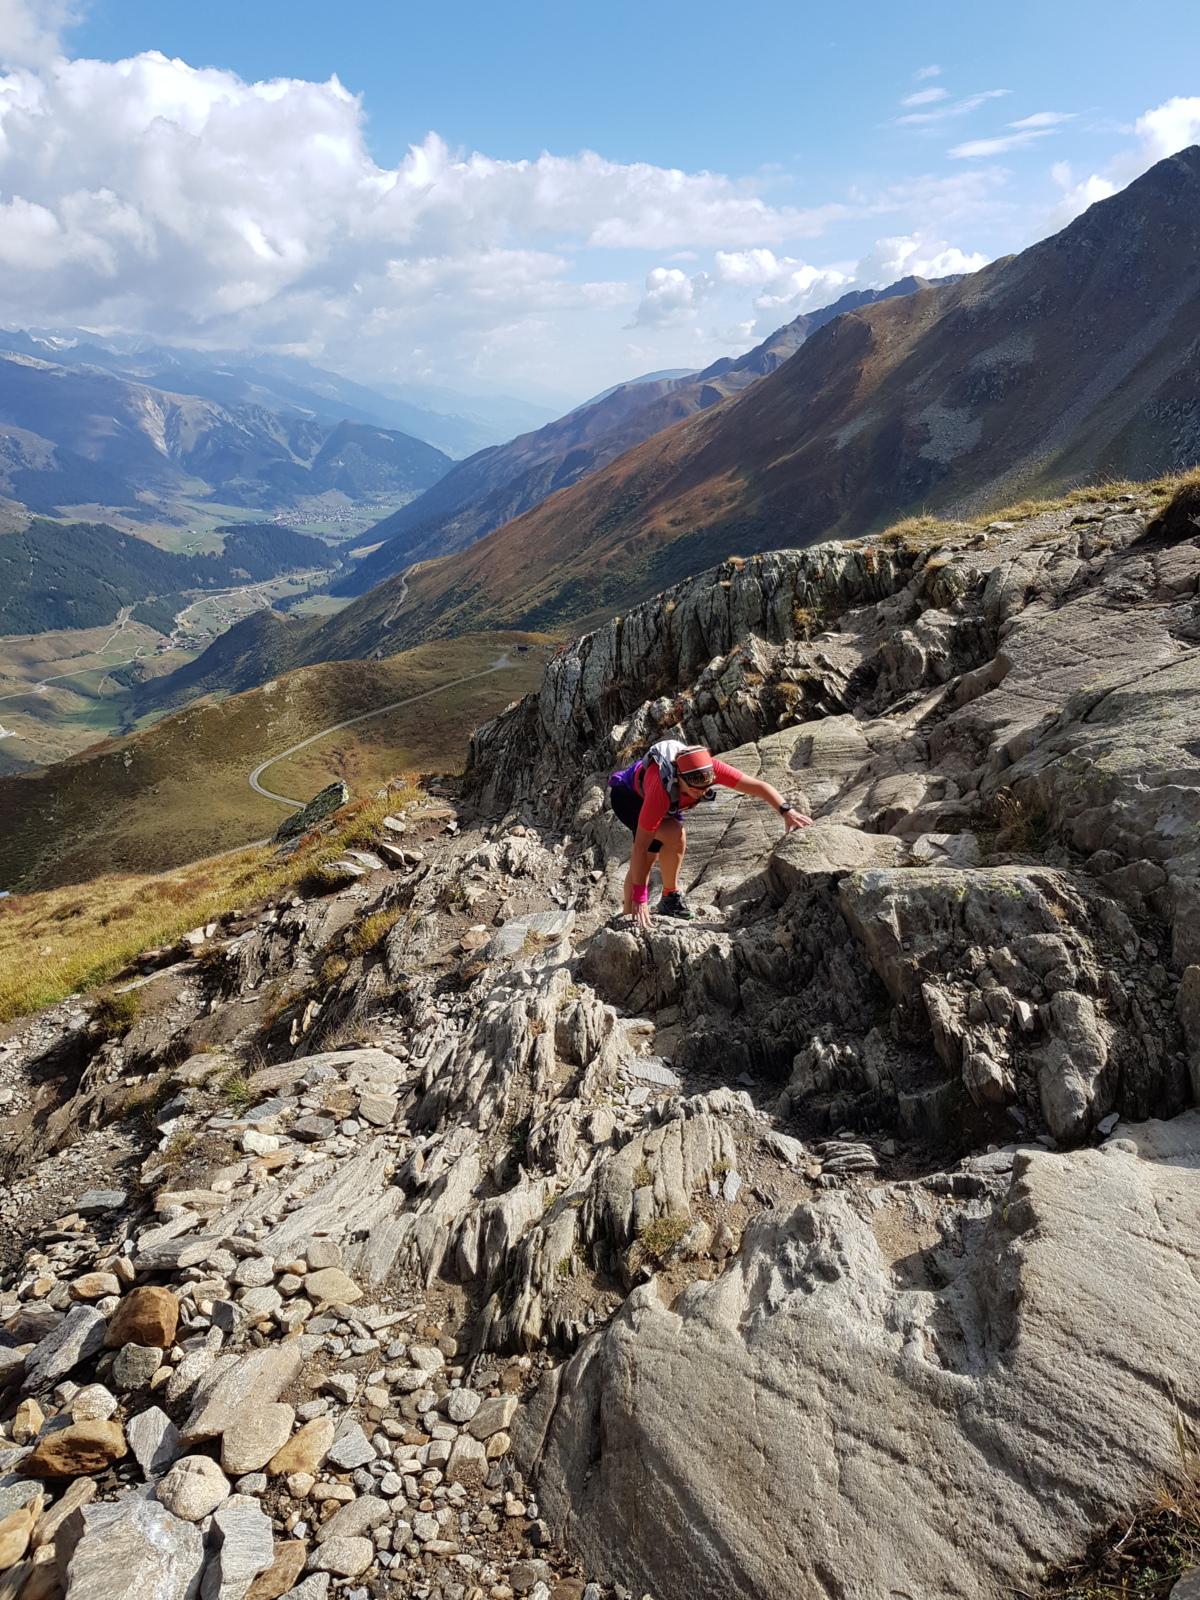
[(493, 1416), (355, 1518), (652, 1069), (315, 1587), (257, 1378), (95, 1202), (351, 1448), (12, 1365), (1188, 1587), (345, 1558), (244, 1547), (16, 1492), (544, 925), (310, 1129), (154, 1440), (130, 1549), (78, 1336)]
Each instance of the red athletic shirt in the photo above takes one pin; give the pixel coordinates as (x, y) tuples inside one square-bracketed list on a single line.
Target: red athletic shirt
[(656, 802)]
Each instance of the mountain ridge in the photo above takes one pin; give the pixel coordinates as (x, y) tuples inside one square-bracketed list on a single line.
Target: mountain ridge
[(935, 400), (495, 486)]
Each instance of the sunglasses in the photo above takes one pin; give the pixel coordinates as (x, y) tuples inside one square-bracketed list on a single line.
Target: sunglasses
[(698, 780)]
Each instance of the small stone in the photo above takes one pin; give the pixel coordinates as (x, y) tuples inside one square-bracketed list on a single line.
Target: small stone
[(323, 1253), (524, 1576), (154, 1440), (427, 1359), (259, 1432), (247, 1381), (79, 1493), (493, 1416), (351, 1448), (425, 1526), (94, 1403), (286, 1566), (299, 1485), (310, 1129), (79, 1335), (193, 1488), (306, 1450), (261, 1302), (95, 1202), (331, 1286), (345, 1558), (228, 1316), (343, 1385), (95, 1286), (378, 1109), (254, 1272), (468, 1462), (462, 1404), (82, 1447), (260, 1144), (314, 1588), (499, 1444), (147, 1316), (135, 1365), (357, 1517)]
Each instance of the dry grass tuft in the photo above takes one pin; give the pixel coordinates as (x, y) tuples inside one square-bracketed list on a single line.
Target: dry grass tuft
[(372, 930), (1140, 1557)]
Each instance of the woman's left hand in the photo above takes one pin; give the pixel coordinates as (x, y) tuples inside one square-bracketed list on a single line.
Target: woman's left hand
[(795, 819)]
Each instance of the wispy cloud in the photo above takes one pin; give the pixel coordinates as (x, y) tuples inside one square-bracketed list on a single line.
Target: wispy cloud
[(1028, 130), (1044, 119), (925, 97), (958, 108), (927, 72)]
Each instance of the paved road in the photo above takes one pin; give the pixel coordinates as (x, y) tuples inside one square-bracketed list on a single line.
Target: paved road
[(394, 705)]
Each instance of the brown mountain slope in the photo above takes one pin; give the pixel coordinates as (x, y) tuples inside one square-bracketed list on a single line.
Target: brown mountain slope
[(494, 486), (1071, 361)]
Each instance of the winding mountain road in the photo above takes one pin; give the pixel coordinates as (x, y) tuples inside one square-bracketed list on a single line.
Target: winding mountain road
[(349, 722)]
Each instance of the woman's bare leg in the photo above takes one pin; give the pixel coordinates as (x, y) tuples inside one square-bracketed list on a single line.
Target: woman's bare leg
[(670, 857)]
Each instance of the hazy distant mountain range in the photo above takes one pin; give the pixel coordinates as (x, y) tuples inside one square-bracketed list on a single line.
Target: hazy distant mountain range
[(497, 485), (79, 436), (457, 424)]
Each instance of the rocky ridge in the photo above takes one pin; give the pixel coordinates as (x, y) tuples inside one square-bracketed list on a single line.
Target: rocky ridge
[(467, 1242)]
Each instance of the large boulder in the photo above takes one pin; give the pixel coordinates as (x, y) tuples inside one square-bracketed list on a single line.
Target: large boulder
[(822, 1410)]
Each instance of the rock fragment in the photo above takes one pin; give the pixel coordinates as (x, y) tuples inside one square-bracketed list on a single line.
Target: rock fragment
[(146, 1316), (193, 1488)]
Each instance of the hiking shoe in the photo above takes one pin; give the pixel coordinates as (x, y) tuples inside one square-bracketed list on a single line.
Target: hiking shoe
[(674, 905)]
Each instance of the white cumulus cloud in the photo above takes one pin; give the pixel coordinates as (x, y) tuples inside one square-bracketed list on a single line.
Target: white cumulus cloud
[(150, 195), (1162, 131)]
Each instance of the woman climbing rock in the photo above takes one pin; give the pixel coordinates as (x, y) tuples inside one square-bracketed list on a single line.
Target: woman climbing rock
[(650, 798)]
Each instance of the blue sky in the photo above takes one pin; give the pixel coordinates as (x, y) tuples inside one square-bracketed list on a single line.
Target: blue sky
[(747, 163)]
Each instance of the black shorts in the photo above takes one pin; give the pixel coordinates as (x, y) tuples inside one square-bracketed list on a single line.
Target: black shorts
[(627, 806)]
